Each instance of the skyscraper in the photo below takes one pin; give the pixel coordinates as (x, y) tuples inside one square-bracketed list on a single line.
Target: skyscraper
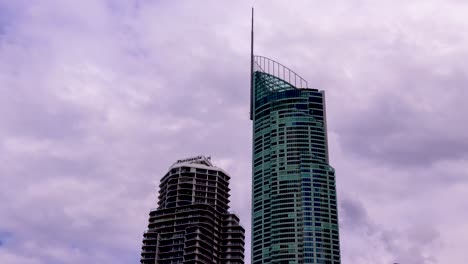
[(294, 206), (192, 223)]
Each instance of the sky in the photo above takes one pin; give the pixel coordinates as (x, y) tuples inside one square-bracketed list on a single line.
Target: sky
[(99, 97)]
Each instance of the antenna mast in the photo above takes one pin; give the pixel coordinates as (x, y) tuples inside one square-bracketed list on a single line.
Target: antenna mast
[(251, 65)]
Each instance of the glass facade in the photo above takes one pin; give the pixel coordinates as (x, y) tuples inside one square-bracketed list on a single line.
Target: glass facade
[(294, 204)]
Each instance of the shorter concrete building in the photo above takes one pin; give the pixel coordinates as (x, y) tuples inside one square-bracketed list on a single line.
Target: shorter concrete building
[(192, 223)]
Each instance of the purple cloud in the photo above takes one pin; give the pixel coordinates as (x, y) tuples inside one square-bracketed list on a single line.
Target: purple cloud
[(98, 98)]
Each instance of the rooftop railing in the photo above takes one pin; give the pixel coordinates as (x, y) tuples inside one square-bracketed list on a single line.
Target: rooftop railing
[(278, 70)]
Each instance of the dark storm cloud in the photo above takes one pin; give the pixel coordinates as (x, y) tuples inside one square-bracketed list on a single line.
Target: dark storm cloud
[(4, 237), (355, 214), (398, 132), (409, 246)]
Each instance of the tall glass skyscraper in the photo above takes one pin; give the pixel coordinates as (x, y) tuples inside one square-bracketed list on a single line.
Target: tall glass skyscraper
[(294, 206), (294, 212)]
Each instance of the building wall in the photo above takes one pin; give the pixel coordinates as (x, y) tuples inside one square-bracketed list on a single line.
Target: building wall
[(192, 223), (294, 209)]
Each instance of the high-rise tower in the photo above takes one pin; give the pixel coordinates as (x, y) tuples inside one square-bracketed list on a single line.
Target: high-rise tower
[(191, 223), (294, 206)]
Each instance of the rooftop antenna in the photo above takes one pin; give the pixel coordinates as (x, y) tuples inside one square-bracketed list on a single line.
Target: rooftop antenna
[(251, 65)]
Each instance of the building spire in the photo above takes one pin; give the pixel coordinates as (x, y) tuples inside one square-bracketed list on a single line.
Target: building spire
[(251, 64)]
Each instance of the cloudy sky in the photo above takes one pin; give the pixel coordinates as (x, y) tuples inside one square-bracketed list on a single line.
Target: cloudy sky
[(99, 97)]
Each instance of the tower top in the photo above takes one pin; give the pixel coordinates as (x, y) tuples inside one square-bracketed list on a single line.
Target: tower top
[(201, 159)]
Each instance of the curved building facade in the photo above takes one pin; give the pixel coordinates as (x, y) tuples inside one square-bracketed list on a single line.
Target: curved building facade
[(294, 205), (192, 223)]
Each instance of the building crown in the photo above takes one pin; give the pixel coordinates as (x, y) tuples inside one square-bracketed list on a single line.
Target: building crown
[(201, 159)]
